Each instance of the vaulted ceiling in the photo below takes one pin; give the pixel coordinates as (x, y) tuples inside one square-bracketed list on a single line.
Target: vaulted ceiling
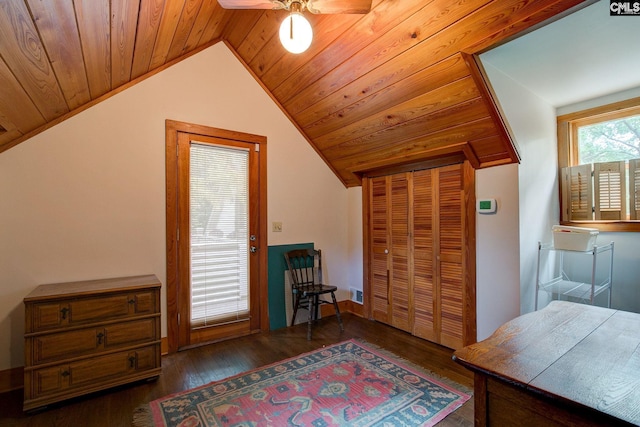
[(394, 87)]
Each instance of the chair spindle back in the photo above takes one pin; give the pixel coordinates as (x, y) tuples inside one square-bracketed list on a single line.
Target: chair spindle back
[(305, 268)]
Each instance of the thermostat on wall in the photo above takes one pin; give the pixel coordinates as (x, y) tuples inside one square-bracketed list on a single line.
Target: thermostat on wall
[(487, 206)]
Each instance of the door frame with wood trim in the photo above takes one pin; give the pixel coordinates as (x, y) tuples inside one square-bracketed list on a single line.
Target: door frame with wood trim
[(173, 128)]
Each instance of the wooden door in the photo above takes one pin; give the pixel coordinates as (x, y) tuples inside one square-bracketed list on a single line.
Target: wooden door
[(421, 245), (426, 316), (216, 237), (390, 251), (378, 232), (400, 272), (450, 245), (217, 189)]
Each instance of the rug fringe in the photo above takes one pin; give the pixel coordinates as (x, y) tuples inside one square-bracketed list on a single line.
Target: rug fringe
[(142, 416)]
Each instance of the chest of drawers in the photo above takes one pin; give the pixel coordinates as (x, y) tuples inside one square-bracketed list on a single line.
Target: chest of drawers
[(82, 337)]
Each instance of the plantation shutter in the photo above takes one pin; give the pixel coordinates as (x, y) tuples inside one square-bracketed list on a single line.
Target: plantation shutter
[(577, 193), (610, 190), (219, 200), (634, 189)]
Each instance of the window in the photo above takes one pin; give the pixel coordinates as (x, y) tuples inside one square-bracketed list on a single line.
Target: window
[(599, 161), (219, 221)]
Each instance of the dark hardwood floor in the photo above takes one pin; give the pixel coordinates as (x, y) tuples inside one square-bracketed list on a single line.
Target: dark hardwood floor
[(198, 366)]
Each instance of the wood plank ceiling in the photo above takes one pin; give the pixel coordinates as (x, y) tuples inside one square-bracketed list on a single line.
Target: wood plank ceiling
[(396, 86)]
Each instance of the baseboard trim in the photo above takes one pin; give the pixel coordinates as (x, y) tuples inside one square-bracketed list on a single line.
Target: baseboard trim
[(164, 346), (355, 308), (11, 379), (346, 306)]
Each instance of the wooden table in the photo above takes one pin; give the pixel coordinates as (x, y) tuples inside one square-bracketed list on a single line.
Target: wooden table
[(568, 364)]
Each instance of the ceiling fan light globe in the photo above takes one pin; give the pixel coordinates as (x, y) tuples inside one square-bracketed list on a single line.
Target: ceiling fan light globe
[(296, 33)]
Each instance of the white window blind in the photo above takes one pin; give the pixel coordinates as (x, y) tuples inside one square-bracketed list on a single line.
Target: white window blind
[(219, 207)]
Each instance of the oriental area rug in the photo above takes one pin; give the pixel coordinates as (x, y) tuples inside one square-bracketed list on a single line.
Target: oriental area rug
[(346, 384)]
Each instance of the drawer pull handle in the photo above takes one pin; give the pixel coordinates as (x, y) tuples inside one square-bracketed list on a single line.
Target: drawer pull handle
[(65, 373), (132, 361), (99, 337), (64, 312), (132, 301)]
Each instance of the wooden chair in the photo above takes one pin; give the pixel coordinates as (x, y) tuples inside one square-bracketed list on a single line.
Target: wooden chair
[(305, 270)]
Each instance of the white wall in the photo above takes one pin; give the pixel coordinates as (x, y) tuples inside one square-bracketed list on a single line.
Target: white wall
[(356, 249), (497, 250), (86, 199), (597, 102), (533, 124), (625, 291)]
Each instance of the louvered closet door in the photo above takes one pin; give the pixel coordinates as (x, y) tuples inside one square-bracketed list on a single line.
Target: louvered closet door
[(420, 252), (424, 325), (449, 270), (401, 269), (379, 265), (390, 267)]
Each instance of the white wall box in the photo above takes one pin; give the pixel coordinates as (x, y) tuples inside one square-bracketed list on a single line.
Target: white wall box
[(574, 238)]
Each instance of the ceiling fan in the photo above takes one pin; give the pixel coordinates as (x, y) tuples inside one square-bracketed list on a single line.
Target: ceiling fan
[(295, 31)]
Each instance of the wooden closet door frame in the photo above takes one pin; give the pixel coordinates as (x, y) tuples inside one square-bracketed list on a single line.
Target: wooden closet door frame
[(469, 251), (470, 314)]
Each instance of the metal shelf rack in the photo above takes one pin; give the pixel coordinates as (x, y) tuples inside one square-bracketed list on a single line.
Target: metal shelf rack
[(563, 286)]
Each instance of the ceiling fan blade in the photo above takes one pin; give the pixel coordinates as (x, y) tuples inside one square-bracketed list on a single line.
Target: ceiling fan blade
[(246, 4), (342, 6), (323, 6)]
